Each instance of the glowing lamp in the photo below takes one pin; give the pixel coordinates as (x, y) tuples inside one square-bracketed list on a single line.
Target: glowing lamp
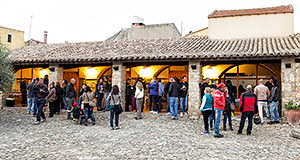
[(43, 72)]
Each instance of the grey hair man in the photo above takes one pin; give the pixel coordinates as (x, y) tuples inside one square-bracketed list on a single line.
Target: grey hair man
[(70, 95), (263, 93)]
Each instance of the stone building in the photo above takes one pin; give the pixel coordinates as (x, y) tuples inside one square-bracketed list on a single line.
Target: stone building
[(12, 38), (241, 60)]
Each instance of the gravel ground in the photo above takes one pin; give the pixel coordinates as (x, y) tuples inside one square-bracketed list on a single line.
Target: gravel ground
[(154, 137)]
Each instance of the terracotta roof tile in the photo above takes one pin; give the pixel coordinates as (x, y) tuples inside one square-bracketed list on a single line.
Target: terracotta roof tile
[(255, 11), (162, 49)]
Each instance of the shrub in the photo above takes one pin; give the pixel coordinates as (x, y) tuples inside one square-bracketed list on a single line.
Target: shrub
[(292, 106), (7, 76)]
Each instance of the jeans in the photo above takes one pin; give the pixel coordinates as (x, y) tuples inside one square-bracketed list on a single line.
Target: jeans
[(99, 101), (183, 101), (70, 102), (249, 115), (40, 104), (274, 110), (212, 119), (34, 107), (112, 114), (168, 104), (174, 103), (159, 103), (65, 103), (227, 115), (218, 115), (79, 100), (139, 104), (263, 105), (106, 103), (154, 102), (206, 115), (88, 112), (30, 105)]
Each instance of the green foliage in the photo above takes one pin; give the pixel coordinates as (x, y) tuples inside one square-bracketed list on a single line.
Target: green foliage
[(7, 76), (292, 106)]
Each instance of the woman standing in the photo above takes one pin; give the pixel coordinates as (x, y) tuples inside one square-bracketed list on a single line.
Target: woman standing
[(206, 108), (51, 98), (99, 93), (114, 98), (87, 97), (139, 95)]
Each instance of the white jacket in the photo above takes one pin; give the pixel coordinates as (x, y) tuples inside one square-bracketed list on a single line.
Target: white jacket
[(139, 93)]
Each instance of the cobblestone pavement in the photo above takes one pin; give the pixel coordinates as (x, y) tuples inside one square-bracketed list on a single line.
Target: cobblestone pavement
[(154, 137)]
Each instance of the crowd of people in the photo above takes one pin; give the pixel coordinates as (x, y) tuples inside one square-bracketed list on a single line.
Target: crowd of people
[(217, 100)]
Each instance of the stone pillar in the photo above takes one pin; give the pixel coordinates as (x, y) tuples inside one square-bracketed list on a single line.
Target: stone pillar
[(195, 75), (56, 73), (290, 89), (1, 102), (119, 78)]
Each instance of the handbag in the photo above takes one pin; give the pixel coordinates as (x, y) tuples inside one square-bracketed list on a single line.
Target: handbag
[(91, 103), (118, 109)]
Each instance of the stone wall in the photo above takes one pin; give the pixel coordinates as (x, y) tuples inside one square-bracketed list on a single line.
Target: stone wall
[(290, 78), (195, 75), (119, 78), (1, 102), (56, 74)]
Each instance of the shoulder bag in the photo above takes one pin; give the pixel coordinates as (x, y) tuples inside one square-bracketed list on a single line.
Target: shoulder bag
[(118, 109), (91, 103)]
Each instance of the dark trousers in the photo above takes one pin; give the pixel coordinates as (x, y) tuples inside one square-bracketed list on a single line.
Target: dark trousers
[(127, 102), (112, 115), (159, 103), (99, 101), (206, 115), (153, 100), (57, 106), (40, 104), (24, 98), (212, 119), (51, 108), (249, 115), (227, 115)]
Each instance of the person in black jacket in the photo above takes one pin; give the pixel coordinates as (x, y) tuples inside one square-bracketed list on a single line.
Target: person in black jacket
[(23, 88), (274, 101), (107, 88), (128, 94), (99, 93), (227, 114), (204, 85), (70, 96), (65, 104), (166, 90), (59, 96), (41, 93), (174, 91)]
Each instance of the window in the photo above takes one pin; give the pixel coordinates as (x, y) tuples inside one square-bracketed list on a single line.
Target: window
[(9, 38)]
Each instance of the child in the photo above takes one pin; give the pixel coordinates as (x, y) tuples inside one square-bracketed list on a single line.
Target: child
[(76, 112)]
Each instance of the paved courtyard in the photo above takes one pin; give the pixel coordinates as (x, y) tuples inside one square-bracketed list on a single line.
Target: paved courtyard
[(154, 137)]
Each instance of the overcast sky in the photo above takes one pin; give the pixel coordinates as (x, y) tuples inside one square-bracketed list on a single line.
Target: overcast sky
[(97, 20)]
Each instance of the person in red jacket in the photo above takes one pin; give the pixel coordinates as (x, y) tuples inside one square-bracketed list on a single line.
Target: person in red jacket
[(219, 104), (248, 107)]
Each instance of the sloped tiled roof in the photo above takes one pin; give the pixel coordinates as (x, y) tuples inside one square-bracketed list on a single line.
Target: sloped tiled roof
[(158, 49), (255, 11)]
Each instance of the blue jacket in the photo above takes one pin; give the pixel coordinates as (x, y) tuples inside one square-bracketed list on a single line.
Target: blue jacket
[(31, 93), (153, 89), (161, 89)]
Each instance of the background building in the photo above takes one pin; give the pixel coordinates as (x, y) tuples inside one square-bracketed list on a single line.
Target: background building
[(12, 38)]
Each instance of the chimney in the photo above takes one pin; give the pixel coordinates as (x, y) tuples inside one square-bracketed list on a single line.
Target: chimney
[(45, 36), (138, 21)]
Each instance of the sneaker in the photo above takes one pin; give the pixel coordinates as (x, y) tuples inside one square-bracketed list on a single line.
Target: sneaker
[(277, 122), (219, 136), (238, 133), (262, 123), (37, 122), (93, 123), (85, 124), (111, 128), (154, 112), (117, 127), (224, 129), (168, 113), (43, 120), (173, 118), (271, 122), (181, 114), (185, 114), (231, 129), (205, 132)]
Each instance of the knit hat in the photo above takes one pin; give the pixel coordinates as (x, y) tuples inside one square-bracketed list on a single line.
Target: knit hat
[(221, 85), (75, 104)]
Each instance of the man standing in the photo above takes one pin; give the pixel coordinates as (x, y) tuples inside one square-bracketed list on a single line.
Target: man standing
[(31, 96), (248, 107), (107, 88), (183, 96), (161, 88), (262, 93), (167, 86), (70, 96), (219, 105), (269, 83), (274, 101), (204, 85), (213, 84), (128, 94), (174, 94), (153, 86), (41, 93), (23, 88)]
